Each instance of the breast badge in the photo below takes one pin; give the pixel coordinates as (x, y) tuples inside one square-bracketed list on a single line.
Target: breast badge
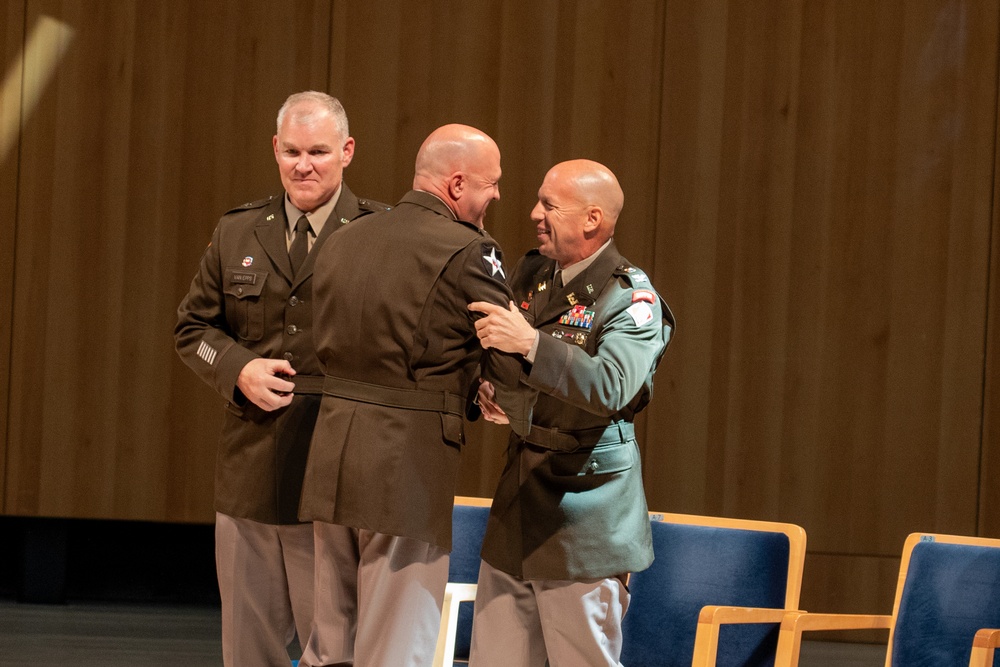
[(578, 337)]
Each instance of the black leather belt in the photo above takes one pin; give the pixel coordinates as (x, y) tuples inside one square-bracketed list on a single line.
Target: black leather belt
[(569, 441), (394, 397)]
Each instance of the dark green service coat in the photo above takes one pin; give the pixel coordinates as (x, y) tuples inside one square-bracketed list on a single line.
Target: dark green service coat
[(243, 304), (392, 294), (575, 509)]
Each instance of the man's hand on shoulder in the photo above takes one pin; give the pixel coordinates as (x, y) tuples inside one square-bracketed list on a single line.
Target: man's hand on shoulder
[(261, 384), (503, 328)]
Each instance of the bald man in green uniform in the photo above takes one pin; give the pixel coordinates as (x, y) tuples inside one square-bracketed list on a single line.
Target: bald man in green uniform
[(569, 517)]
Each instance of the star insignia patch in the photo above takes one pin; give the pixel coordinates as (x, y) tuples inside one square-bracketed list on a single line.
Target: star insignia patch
[(493, 264)]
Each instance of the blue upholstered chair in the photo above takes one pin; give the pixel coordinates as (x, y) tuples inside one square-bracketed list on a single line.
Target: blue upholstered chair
[(467, 531), (715, 592), (948, 590)]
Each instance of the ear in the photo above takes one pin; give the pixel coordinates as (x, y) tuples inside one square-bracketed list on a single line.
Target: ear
[(595, 218), (274, 144), (456, 185), (347, 153)]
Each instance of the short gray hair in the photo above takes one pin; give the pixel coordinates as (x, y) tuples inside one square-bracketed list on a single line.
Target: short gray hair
[(328, 103)]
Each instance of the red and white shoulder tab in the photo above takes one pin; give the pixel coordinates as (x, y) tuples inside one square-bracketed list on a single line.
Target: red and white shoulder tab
[(649, 296)]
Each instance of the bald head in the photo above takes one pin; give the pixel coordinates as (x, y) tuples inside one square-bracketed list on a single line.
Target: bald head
[(460, 165), (578, 206), (593, 184)]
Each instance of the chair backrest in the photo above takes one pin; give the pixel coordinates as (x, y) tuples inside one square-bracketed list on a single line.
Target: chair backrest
[(467, 531), (949, 587), (701, 561)]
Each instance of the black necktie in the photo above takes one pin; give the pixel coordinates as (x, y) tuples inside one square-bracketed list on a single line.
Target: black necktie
[(300, 244)]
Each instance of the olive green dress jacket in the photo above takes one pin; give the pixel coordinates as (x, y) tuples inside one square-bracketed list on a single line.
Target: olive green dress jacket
[(243, 304), (570, 503), (398, 344)]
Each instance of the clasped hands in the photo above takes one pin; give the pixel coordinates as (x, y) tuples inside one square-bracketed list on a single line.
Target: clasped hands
[(504, 329)]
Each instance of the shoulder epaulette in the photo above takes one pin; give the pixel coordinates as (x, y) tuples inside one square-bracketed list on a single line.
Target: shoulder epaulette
[(631, 274), (260, 203), (373, 206)]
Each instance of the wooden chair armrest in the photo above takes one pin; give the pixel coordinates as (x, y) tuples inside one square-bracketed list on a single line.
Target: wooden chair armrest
[(983, 646), (804, 621), (797, 622), (454, 594), (720, 615), (987, 638), (713, 617)]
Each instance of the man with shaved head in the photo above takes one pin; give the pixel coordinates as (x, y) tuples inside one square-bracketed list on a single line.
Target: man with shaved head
[(569, 518), (402, 361)]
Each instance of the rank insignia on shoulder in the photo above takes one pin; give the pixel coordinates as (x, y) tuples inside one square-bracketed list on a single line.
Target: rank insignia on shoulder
[(643, 295), (579, 316), (492, 261)]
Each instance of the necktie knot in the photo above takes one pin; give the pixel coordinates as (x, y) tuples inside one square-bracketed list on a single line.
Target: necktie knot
[(302, 226)]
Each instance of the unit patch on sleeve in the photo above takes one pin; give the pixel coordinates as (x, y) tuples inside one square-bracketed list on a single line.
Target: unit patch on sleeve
[(492, 261), (640, 312)]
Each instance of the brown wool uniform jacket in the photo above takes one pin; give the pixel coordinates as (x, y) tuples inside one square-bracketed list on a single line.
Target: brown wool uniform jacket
[(570, 503), (244, 304), (393, 330)]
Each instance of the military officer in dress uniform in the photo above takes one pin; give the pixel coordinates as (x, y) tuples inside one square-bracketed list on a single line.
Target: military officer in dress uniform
[(245, 327), (399, 349), (569, 517)]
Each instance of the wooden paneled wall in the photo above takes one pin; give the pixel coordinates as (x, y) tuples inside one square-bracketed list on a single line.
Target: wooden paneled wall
[(810, 183), (158, 119), (826, 188), (11, 46)]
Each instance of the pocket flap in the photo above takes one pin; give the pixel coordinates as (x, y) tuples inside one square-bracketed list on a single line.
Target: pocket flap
[(598, 461)]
